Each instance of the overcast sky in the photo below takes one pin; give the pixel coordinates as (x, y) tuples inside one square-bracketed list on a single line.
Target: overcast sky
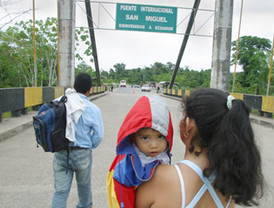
[(140, 49)]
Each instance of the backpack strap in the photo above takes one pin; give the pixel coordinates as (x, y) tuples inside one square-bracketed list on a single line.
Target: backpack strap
[(64, 99)]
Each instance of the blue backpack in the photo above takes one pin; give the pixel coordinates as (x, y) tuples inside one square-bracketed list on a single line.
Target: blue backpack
[(50, 126)]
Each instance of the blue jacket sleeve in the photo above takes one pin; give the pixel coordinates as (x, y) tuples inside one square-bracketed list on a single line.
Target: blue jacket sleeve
[(90, 128)]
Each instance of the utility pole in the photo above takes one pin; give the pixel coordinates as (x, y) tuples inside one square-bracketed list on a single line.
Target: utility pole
[(269, 76), (34, 46), (58, 48), (238, 41)]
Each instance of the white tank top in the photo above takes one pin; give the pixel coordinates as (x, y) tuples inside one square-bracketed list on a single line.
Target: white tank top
[(207, 186)]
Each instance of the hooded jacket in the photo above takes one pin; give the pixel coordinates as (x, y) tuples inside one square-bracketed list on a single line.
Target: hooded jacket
[(126, 171)]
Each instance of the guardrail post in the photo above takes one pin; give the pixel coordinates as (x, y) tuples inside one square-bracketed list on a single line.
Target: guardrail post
[(24, 111), (265, 114), (16, 113), (268, 115), (36, 107), (260, 113)]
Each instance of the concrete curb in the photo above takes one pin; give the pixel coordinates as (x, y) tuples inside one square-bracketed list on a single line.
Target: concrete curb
[(261, 122), (12, 132), (9, 131)]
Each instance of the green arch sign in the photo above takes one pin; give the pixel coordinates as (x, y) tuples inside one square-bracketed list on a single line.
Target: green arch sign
[(146, 18)]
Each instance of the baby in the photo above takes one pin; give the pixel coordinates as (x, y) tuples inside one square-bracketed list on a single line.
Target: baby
[(144, 141)]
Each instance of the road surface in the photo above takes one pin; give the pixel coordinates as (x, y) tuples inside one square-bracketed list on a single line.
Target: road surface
[(26, 176)]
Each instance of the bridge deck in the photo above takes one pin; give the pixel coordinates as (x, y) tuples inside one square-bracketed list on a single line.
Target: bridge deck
[(26, 176)]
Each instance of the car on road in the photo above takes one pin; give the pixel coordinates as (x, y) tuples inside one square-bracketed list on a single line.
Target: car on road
[(145, 88), (123, 83), (136, 86)]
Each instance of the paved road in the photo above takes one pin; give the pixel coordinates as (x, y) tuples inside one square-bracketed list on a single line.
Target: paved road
[(26, 176)]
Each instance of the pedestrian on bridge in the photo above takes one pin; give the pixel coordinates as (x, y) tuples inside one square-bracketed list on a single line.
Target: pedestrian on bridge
[(222, 163), (88, 132), (144, 141)]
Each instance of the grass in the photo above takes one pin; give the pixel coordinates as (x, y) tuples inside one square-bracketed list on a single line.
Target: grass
[(255, 112), (6, 115)]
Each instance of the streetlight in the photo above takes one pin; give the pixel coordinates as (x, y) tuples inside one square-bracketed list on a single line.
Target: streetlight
[(236, 58), (34, 47)]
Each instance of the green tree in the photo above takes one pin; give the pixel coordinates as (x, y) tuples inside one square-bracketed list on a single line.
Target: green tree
[(135, 76), (8, 72), (16, 45), (146, 75), (159, 68), (46, 37), (17, 58), (120, 71), (206, 74), (253, 56), (161, 72), (112, 74), (82, 43), (84, 68)]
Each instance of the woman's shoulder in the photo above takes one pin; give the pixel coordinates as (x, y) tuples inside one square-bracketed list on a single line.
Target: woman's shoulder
[(160, 190), (164, 174), (163, 169)]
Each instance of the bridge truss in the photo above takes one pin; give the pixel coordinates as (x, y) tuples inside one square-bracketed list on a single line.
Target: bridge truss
[(104, 18)]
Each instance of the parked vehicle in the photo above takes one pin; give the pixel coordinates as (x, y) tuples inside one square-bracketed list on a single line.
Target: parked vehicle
[(123, 83), (145, 88)]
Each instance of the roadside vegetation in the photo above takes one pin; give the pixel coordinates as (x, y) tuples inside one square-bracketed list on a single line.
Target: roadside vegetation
[(17, 65)]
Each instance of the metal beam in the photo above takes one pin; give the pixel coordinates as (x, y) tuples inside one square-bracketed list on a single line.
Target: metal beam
[(92, 38), (187, 34)]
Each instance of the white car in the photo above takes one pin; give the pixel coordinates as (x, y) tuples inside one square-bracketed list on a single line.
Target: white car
[(146, 88)]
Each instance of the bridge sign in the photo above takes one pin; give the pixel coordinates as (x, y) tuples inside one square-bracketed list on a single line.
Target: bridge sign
[(146, 18)]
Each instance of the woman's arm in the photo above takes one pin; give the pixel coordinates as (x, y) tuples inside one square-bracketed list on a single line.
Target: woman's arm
[(144, 195)]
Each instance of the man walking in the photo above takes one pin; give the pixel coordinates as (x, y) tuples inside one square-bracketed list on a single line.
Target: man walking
[(86, 133)]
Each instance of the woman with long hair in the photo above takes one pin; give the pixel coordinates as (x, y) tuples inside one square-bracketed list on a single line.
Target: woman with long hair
[(222, 163)]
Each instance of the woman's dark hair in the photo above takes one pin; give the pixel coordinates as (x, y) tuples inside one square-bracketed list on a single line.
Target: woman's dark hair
[(83, 83), (228, 138)]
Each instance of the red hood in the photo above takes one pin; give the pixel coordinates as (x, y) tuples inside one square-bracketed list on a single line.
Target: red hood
[(149, 111)]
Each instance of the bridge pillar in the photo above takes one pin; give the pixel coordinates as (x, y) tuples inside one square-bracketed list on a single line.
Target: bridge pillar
[(66, 15), (221, 44)]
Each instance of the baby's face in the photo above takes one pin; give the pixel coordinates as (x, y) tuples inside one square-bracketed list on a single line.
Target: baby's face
[(150, 142)]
